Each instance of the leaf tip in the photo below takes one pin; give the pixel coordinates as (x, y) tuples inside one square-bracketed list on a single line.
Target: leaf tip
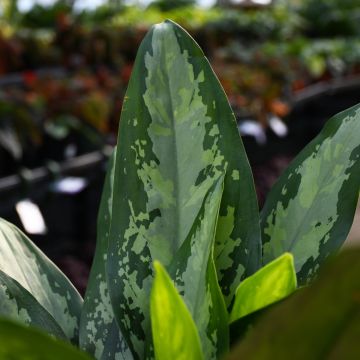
[(157, 267), (288, 259), (287, 256)]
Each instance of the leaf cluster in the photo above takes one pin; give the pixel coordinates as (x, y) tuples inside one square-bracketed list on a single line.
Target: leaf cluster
[(185, 264)]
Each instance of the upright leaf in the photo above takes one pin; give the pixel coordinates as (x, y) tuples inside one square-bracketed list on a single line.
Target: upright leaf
[(195, 277), (174, 332), (310, 210), (25, 343), (177, 137), (321, 321), (18, 304), (99, 333), (24, 262), (270, 284)]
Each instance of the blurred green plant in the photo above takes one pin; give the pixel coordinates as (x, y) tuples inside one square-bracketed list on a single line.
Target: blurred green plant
[(42, 16), (166, 5), (275, 44), (331, 18)]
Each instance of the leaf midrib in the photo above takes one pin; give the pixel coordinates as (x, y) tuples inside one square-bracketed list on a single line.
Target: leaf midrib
[(176, 241)]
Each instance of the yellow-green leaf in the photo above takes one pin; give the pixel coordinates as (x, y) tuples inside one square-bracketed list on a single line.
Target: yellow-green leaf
[(270, 284), (321, 321), (174, 333)]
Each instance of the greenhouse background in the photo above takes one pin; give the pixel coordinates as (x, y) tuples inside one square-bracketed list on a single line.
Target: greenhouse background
[(286, 67)]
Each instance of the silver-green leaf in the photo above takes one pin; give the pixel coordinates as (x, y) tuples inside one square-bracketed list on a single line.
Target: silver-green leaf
[(194, 273), (18, 304), (24, 262), (177, 137), (310, 210), (99, 333)]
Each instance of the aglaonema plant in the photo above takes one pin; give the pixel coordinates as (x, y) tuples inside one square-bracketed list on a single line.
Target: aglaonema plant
[(182, 251)]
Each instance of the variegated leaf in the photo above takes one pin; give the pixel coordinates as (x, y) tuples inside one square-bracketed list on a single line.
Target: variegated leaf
[(195, 277), (24, 262), (18, 304), (99, 333), (173, 328), (177, 137), (310, 210)]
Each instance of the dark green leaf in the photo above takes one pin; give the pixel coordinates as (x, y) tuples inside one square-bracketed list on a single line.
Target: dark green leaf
[(310, 210), (270, 284), (24, 343), (99, 333), (240, 327), (174, 332), (24, 262), (321, 321), (177, 137)]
